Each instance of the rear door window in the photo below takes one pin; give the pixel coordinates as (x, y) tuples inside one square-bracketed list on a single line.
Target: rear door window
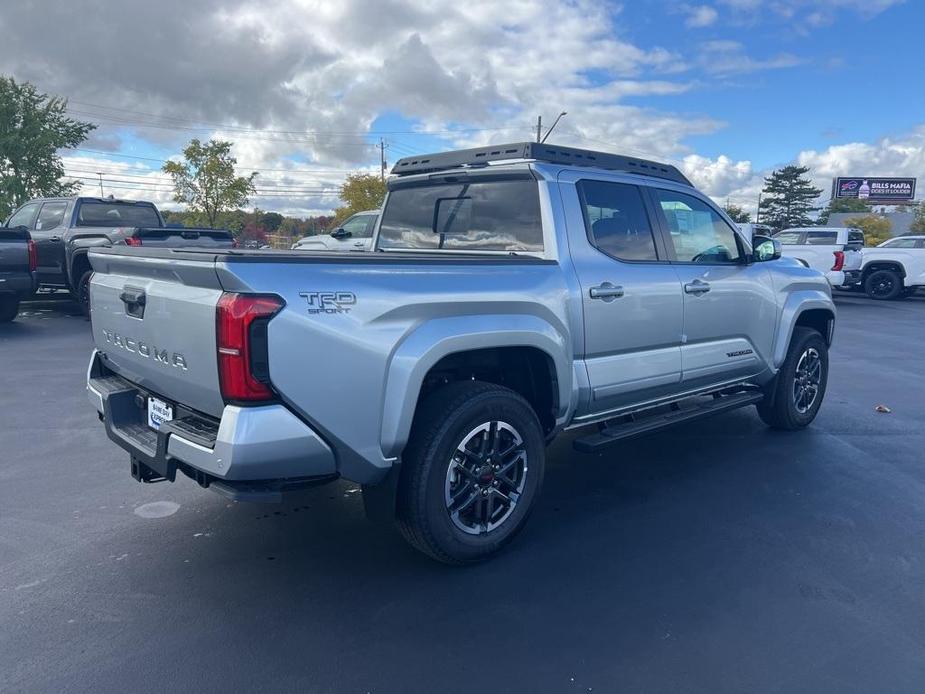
[(498, 215), (822, 238), (616, 220)]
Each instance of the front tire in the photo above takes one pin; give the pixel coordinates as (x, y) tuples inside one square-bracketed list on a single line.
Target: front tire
[(799, 388), (883, 285), (471, 472), (9, 307)]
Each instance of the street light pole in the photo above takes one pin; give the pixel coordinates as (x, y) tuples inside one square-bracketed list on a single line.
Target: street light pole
[(554, 124)]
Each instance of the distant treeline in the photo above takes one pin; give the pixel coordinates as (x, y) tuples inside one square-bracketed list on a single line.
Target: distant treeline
[(267, 222)]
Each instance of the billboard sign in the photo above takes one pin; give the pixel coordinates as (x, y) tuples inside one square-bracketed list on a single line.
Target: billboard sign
[(887, 190)]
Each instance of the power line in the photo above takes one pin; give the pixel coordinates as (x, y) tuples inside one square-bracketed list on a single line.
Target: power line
[(240, 166), (229, 126)]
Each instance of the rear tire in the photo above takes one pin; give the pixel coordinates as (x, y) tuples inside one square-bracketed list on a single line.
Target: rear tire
[(471, 472), (798, 390), (9, 307), (883, 285), (82, 293)]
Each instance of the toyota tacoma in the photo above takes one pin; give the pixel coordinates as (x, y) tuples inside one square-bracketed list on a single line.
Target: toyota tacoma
[(512, 292)]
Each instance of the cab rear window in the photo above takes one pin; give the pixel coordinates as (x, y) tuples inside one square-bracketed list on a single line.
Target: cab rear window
[(497, 215), (116, 214)]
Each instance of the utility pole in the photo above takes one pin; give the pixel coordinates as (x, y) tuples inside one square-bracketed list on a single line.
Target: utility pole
[(539, 128), (382, 147), (101, 183), (758, 211)]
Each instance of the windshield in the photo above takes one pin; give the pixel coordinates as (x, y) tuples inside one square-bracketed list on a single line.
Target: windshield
[(117, 214)]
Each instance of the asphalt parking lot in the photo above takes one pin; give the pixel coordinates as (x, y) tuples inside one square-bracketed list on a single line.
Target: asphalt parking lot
[(719, 557)]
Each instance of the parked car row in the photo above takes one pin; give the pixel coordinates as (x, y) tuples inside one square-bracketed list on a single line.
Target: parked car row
[(894, 269), (65, 229)]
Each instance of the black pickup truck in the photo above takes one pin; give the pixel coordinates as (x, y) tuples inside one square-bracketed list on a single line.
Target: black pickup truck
[(17, 270), (65, 229)]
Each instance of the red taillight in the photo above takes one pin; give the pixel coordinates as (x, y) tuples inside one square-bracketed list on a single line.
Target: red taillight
[(33, 257), (839, 260), (132, 241), (240, 321)]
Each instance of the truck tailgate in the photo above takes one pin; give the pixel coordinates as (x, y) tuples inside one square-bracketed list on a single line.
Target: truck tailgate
[(170, 237), (14, 251), (154, 320)]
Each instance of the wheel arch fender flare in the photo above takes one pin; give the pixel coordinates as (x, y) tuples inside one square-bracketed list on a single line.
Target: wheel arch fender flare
[(797, 304), (435, 339), (78, 249), (879, 264)]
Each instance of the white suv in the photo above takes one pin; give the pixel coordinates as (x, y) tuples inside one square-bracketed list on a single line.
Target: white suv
[(355, 234), (834, 251)]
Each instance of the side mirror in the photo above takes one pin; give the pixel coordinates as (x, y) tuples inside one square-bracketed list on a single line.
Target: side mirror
[(341, 233), (765, 248)]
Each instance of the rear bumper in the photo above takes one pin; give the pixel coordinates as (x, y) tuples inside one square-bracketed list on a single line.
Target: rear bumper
[(264, 444), (852, 277), (836, 278)]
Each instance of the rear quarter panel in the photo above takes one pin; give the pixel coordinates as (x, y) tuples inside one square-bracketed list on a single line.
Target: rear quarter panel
[(352, 345)]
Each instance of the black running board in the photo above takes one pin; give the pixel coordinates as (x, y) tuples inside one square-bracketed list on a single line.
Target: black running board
[(645, 423)]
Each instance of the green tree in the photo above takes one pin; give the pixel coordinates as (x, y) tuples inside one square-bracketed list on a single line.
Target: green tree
[(360, 192), (271, 221), (33, 127), (842, 205), (918, 224), (876, 229), (206, 179), (737, 214), (787, 198)]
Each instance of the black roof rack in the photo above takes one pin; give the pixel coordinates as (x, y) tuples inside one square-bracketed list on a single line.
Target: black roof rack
[(538, 151)]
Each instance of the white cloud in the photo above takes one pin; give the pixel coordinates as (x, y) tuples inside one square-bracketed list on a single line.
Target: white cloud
[(723, 178), (699, 16), (724, 58), (803, 13)]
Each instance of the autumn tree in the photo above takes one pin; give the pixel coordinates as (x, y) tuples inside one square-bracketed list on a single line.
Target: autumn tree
[(205, 180), (918, 224), (876, 229), (788, 198), (360, 192), (737, 214), (33, 127)]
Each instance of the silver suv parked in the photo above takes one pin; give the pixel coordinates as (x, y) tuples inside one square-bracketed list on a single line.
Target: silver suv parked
[(514, 291)]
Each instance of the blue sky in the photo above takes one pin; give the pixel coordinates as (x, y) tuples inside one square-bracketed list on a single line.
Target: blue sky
[(726, 89)]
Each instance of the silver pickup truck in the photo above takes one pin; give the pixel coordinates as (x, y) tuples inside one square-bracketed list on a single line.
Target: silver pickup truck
[(513, 292)]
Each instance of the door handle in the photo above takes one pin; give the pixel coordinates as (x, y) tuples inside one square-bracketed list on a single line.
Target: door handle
[(697, 287), (606, 292), (54, 238)]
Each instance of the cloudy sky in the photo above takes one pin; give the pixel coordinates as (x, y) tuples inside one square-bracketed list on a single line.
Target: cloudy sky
[(726, 89)]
